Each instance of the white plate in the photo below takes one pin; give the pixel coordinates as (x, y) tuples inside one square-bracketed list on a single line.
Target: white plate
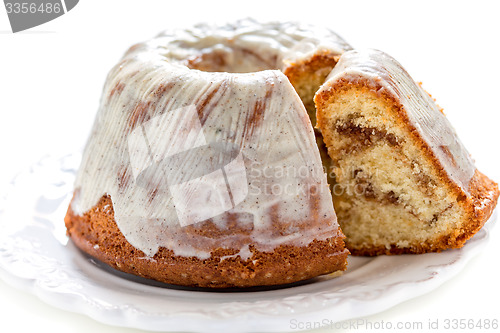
[(35, 255)]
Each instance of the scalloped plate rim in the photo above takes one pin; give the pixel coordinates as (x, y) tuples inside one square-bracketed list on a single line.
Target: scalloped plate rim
[(127, 316)]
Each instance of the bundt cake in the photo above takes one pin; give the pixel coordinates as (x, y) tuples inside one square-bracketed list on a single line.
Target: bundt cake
[(404, 182), (202, 167)]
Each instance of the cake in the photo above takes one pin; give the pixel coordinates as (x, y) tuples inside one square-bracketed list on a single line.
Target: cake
[(216, 150), (404, 183), (202, 167)]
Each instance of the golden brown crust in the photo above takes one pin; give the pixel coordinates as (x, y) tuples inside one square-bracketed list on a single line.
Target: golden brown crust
[(97, 234), (478, 205)]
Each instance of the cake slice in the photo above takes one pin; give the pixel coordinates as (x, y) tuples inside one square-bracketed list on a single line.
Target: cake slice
[(404, 183)]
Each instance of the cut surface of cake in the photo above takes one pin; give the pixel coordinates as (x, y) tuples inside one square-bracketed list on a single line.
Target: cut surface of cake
[(202, 167), (404, 183)]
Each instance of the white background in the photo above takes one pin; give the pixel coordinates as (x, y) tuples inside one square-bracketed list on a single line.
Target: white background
[(51, 77)]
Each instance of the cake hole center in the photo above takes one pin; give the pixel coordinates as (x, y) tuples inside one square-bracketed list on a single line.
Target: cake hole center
[(233, 60)]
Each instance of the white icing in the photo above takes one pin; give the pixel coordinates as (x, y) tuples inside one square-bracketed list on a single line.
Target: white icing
[(266, 46), (422, 111), (244, 254), (155, 147)]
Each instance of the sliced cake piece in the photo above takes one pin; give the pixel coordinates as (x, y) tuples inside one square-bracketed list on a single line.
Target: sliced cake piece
[(404, 183)]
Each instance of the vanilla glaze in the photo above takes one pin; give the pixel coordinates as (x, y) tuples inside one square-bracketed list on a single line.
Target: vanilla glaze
[(160, 119)]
